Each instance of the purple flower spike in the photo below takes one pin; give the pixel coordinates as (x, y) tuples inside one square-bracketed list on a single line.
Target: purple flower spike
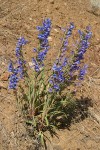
[(44, 32), (82, 72), (58, 75), (70, 30), (13, 80), (10, 67), (18, 72), (83, 45), (21, 42)]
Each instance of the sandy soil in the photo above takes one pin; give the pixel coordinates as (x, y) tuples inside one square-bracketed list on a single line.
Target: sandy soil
[(20, 18)]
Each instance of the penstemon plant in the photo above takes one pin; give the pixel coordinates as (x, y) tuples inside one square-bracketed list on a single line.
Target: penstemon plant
[(44, 100)]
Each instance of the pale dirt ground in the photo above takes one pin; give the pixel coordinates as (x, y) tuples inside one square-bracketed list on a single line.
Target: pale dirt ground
[(20, 18)]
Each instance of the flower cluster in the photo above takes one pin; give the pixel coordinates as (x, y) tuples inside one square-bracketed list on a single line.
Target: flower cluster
[(20, 61), (82, 72), (57, 78), (13, 80), (58, 74), (44, 32), (17, 72), (79, 54), (63, 69), (67, 33), (21, 42)]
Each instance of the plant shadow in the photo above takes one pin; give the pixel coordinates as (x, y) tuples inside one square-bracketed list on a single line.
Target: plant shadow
[(75, 112)]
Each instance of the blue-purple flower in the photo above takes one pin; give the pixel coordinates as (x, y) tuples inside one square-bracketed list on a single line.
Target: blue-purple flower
[(13, 80), (19, 54), (82, 47), (82, 72), (68, 33), (57, 78), (35, 65), (17, 72), (21, 67), (10, 67), (44, 32), (20, 43)]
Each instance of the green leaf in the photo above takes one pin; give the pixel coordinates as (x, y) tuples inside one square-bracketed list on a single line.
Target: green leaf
[(47, 122), (41, 138)]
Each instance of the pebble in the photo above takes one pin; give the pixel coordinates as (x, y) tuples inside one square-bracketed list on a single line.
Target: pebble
[(5, 76), (30, 19), (56, 30), (31, 64), (49, 38)]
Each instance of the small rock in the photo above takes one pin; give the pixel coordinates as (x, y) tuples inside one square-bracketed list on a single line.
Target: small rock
[(30, 19), (31, 65), (5, 76), (95, 3), (56, 30), (94, 7), (49, 38)]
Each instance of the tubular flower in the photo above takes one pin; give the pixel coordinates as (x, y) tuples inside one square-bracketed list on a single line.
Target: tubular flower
[(21, 70), (58, 75), (44, 32), (20, 61), (13, 80), (36, 65), (82, 72), (20, 43), (10, 67), (67, 33), (17, 72), (83, 45)]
